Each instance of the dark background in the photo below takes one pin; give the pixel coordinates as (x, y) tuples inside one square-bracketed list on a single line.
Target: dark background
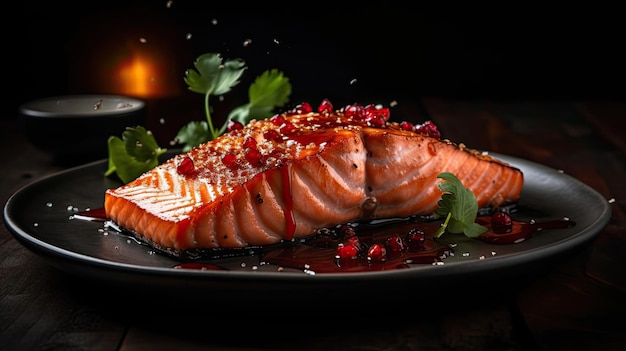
[(388, 52)]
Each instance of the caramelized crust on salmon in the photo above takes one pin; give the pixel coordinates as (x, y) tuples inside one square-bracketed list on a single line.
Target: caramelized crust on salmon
[(290, 175)]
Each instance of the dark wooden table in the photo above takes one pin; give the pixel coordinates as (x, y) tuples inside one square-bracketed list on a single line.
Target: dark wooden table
[(577, 303)]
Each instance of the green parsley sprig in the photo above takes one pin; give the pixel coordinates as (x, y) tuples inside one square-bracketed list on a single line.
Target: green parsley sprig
[(135, 153), (459, 207), (138, 152), (213, 78)]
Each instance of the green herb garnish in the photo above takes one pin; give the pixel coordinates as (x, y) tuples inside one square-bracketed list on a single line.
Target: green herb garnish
[(270, 90), (458, 205), (213, 78), (135, 153), (138, 152)]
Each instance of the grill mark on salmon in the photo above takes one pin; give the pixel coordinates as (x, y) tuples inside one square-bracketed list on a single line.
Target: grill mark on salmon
[(327, 169)]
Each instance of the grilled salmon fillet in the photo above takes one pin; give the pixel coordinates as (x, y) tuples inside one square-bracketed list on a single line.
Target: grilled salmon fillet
[(287, 176)]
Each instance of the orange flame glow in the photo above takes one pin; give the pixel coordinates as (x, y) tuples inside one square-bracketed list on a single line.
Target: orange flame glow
[(139, 76), (142, 61)]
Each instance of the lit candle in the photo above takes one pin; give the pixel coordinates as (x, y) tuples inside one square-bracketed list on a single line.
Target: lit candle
[(76, 128)]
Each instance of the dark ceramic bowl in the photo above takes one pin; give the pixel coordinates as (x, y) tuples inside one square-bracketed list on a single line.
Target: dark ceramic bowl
[(75, 128)]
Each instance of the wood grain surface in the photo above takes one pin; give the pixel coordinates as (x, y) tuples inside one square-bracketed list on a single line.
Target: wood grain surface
[(575, 304)]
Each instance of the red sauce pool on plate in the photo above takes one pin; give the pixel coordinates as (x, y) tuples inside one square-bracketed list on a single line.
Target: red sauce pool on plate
[(356, 247)]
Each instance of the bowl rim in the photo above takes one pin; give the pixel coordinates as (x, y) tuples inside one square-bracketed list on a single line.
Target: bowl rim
[(46, 107)]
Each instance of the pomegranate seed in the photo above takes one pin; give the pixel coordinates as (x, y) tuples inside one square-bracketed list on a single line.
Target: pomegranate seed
[(355, 110), (234, 125), (278, 120), (249, 143), (376, 122), (185, 166), (384, 113), (501, 223), (271, 135), (501, 218), (287, 128), (325, 107), (229, 159), (394, 243), (347, 251), (254, 156), (415, 239), (428, 128), (304, 107), (421, 128), (377, 253), (354, 241), (407, 126), (372, 111)]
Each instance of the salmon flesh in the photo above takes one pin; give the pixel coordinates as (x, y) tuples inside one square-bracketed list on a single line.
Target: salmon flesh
[(288, 176)]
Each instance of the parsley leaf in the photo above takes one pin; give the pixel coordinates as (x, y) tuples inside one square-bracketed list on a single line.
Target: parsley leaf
[(458, 205), (270, 90), (192, 134), (135, 153), (212, 77)]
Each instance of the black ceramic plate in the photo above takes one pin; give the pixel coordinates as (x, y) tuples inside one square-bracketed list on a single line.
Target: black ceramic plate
[(39, 217)]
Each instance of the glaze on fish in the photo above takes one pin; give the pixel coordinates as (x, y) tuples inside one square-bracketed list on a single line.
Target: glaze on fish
[(289, 175)]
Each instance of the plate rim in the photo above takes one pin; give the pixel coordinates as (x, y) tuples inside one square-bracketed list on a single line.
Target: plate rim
[(55, 253)]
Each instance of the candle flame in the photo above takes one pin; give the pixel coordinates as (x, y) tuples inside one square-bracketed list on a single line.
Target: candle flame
[(145, 65), (137, 77)]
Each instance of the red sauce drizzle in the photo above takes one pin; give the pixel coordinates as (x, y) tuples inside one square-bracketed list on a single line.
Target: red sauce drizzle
[(290, 221), (98, 214)]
